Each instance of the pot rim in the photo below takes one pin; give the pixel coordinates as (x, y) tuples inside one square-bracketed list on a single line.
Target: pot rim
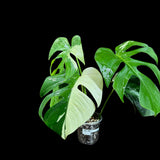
[(93, 123)]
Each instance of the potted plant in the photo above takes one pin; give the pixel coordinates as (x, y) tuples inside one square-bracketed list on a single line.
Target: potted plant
[(66, 89)]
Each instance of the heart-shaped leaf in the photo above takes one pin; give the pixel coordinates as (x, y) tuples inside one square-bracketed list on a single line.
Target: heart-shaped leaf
[(73, 107), (108, 62)]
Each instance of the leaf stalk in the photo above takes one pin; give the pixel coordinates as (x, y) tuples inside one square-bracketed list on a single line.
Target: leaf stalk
[(104, 105)]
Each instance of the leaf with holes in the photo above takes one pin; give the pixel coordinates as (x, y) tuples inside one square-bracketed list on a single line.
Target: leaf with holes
[(67, 62), (108, 62), (73, 107)]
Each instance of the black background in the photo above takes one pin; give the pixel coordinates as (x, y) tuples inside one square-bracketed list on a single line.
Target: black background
[(123, 132), (122, 128)]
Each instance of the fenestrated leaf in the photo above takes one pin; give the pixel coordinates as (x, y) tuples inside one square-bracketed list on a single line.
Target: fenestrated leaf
[(149, 94), (75, 107), (60, 44), (51, 82), (67, 62), (122, 49)]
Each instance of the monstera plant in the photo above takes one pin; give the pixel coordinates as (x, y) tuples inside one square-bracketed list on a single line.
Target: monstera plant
[(66, 106), (130, 81)]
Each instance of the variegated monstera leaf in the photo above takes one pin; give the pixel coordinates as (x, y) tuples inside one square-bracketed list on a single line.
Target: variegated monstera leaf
[(67, 63), (72, 107)]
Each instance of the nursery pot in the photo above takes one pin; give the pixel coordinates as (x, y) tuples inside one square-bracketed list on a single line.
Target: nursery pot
[(88, 133)]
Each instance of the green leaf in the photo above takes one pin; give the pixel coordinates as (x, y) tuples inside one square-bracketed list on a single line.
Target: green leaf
[(107, 69), (121, 81), (51, 82), (122, 49), (149, 95), (60, 44), (67, 62), (74, 107), (109, 62), (132, 93)]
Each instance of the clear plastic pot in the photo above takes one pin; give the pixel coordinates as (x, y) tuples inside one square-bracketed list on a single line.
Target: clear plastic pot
[(88, 133)]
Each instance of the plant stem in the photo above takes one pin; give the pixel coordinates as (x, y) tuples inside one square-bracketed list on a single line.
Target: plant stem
[(80, 71), (106, 102), (79, 67)]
